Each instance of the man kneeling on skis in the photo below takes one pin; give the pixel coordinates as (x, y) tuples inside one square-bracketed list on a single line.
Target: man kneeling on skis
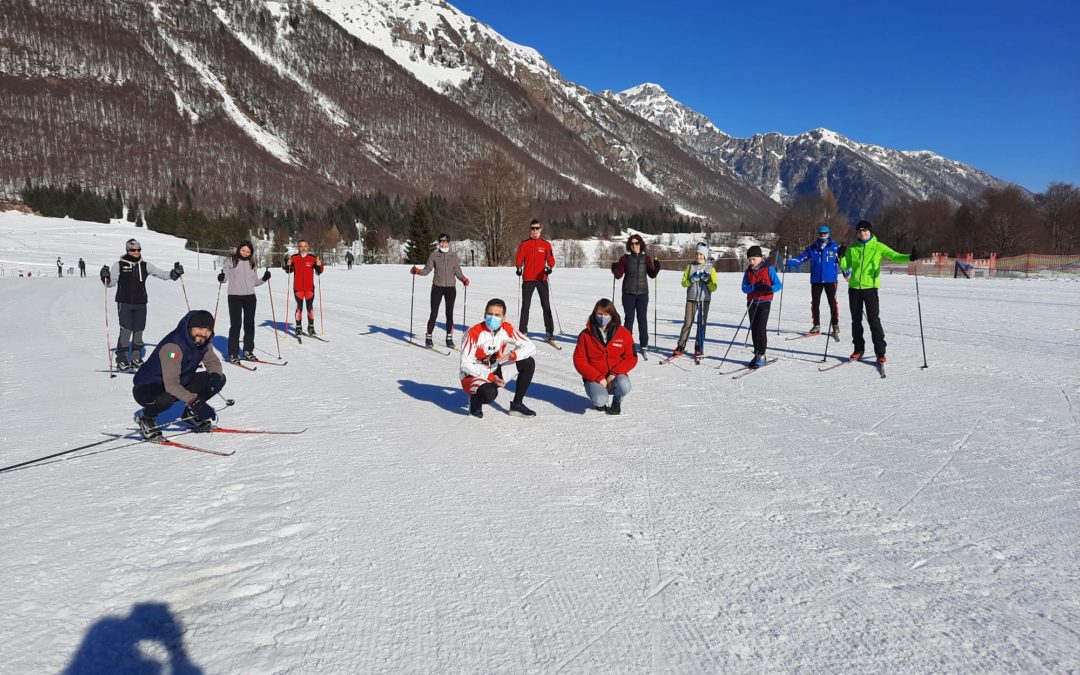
[(169, 375)]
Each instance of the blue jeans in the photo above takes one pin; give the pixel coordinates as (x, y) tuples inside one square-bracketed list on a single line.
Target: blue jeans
[(620, 387)]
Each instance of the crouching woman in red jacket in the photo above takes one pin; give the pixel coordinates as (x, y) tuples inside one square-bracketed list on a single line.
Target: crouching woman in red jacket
[(604, 357)]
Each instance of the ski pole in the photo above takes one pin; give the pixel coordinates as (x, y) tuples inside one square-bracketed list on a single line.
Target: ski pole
[(217, 302), (918, 300), (780, 309), (273, 316), (288, 284), (613, 288), (551, 299), (464, 307), (108, 338), (185, 292), (656, 303), (322, 326), (412, 305), (828, 339), (228, 401), (735, 336), (519, 300)]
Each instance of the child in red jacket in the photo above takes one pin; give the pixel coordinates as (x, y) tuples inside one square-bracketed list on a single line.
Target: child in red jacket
[(604, 357)]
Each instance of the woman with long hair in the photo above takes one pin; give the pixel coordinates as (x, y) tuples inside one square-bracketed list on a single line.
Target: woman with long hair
[(239, 270), (604, 357)]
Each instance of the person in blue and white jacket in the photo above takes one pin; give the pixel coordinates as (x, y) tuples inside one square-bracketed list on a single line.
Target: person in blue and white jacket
[(824, 256)]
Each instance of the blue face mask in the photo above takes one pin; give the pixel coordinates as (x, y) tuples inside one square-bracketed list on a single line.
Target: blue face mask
[(602, 320), (493, 322)]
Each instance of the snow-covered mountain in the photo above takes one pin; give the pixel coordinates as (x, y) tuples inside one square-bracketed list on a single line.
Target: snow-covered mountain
[(864, 177), (301, 102)]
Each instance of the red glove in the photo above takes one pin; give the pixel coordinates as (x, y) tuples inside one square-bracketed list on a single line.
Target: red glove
[(413, 270), (466, 282)]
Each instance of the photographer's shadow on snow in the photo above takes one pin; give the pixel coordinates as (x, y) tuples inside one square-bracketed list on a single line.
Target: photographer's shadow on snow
[(148, 640), (455, 400)]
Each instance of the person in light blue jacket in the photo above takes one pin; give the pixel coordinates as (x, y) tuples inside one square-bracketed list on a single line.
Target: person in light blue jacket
[(824, 256)]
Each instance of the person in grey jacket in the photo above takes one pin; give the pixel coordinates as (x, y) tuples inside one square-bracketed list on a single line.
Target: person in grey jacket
[(239, 270), (447, 267), (699, 280), (635, 268), (129, 275)]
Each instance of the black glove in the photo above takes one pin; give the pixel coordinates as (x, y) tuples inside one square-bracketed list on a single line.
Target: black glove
[(266, 274), (203, 411), (519, 271), (840, 251), (177, 271), (762, 287), (914, 254), (614, 265), (214, 383), (221, 277), (106, 276), (547, 269)]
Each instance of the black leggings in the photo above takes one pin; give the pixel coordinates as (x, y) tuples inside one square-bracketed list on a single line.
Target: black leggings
[(437, 294), (759, 325), (867, 298), (155, 400), (487, 392), (815, 300), (527, 289), (241, 310)]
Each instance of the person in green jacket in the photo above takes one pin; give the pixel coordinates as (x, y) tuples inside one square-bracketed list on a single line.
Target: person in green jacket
[(861, 266), (699, 280)]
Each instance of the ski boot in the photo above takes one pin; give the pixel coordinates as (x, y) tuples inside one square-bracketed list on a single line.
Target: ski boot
[(615, 407), (814, 330), (881, 359), (428, 342), (450, 341), (518, 409), (122, 364), (136, 361), (759, 360), (233, 358), (476, 407), (299, 329), (856, 356), (311, 329), (250, 356), (197, 425), (834, 332), (148, 427)]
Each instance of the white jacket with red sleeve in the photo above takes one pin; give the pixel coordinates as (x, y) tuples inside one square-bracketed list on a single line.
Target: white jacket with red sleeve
[(482, 352)]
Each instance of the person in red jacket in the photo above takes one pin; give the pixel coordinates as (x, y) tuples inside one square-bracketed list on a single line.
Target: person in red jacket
[(304, 266), (535, 260), (604, 357)]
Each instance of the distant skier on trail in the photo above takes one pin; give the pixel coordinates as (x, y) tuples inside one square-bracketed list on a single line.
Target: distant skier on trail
[(487, 347), (824, 256), (443, 286), (861, 265), (82, 267), (759, 282), (635, 268), (535, 261), (604, 358), (129, 275), (169, 375), (304, 266), (349, 260), (239, 270), (699, 280), (59, 268)]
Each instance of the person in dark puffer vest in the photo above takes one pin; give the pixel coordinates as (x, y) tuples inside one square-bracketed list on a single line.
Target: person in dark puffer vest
[(635, 268)]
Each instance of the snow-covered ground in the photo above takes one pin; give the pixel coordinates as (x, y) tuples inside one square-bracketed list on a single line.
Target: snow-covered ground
[(792, 520)]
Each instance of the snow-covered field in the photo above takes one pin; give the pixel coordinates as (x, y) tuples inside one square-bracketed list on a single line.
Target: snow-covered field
[(792, 520)]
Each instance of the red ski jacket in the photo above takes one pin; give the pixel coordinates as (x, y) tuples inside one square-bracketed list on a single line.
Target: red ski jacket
[(303, 269), (533, 255), (596, 360)]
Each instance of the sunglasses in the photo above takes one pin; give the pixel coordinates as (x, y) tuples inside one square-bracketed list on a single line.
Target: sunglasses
[(534, 228), (134, 250)]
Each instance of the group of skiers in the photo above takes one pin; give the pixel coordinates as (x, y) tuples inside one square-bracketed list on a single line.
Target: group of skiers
[(605, 351)]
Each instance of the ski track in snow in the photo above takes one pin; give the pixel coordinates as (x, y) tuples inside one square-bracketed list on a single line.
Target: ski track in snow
[(793, 521)]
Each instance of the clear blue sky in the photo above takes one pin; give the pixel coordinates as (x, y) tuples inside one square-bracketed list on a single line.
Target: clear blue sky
[(993, 84)]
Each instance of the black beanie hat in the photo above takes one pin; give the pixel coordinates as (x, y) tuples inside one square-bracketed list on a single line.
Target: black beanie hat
[(865, 225), (200, 318), (754, 251)]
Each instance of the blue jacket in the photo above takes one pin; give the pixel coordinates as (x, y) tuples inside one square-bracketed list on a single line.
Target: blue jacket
[(824, 261), (179, 346)]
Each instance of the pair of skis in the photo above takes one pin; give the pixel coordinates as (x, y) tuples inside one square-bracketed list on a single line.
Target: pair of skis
[(168, 442), (243, 363), (880, 366), (745, 370)]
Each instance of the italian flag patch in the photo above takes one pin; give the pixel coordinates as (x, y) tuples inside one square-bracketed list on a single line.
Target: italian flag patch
[(173, 355)]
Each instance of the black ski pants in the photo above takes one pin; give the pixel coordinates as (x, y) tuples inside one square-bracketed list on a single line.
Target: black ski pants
[(438, 294), (637, 305), (241, 312), (155, 400), (132, 323), (527, 289), (487, 392), (759, 325), (867, 298), (815, 300)]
